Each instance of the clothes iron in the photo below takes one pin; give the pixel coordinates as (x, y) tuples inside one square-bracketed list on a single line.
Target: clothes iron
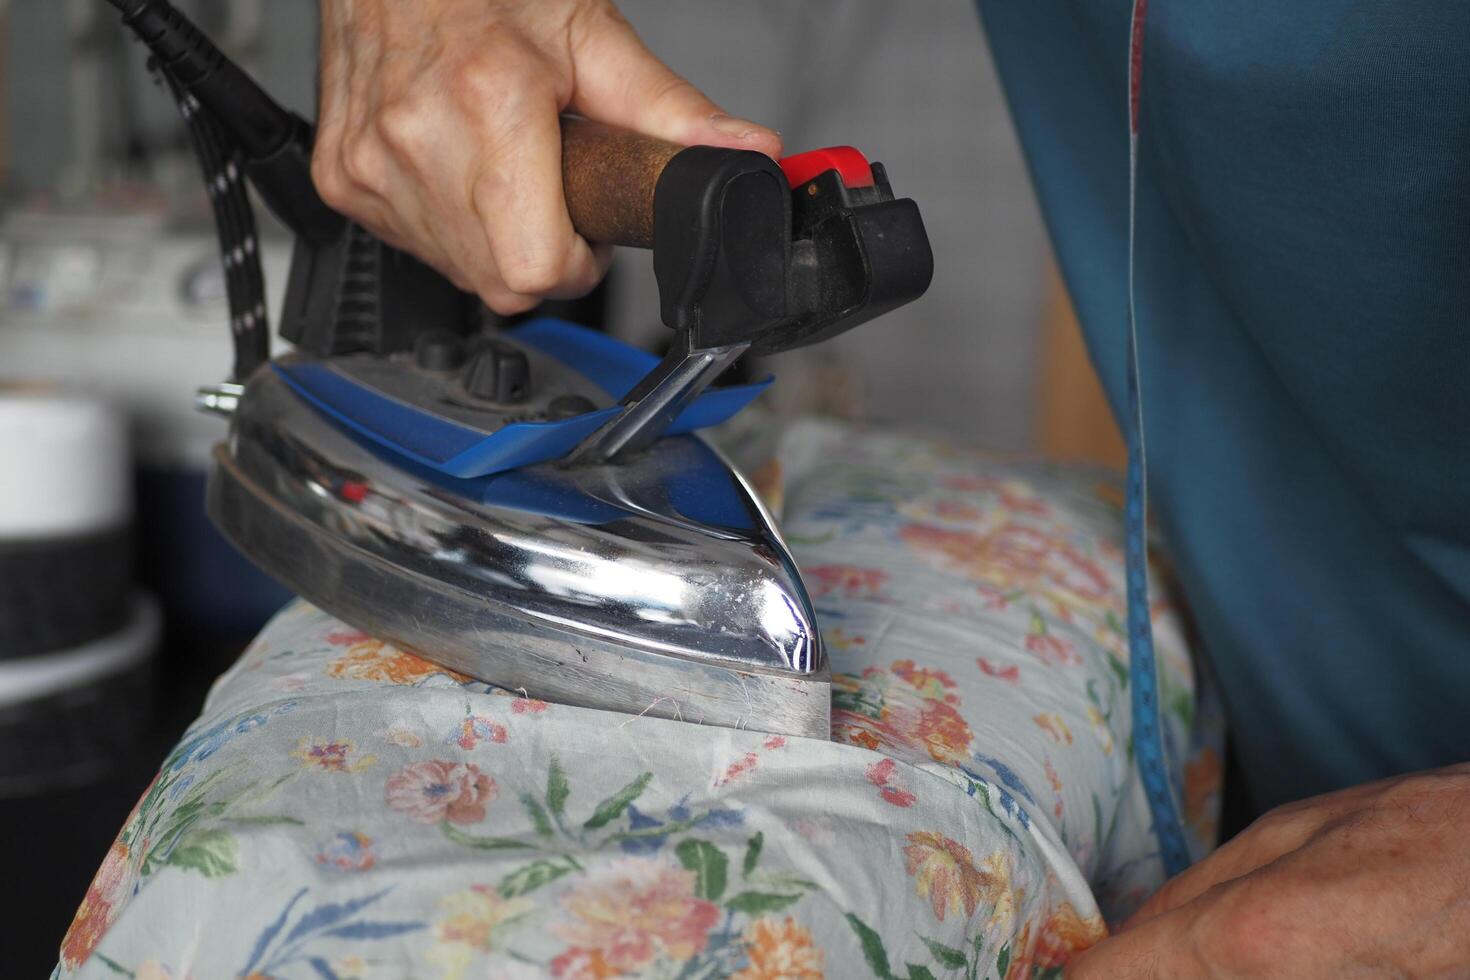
[(534, 507)]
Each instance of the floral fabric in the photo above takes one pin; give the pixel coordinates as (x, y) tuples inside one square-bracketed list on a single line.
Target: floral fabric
[(346, 809)]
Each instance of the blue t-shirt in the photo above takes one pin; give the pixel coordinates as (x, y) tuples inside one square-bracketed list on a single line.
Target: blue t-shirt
[(1303, 289)]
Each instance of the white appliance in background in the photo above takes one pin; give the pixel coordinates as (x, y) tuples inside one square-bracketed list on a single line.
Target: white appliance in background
[(124, 308), (121, 307), (77, 637)]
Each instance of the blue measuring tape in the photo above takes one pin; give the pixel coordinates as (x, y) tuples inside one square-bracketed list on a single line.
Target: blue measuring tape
[(1143, 675)]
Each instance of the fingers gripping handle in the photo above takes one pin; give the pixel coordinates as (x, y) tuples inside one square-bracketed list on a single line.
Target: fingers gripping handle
[(609, 176)]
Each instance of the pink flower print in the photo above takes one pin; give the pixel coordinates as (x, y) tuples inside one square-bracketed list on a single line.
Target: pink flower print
[(438, 790), (527, 706), (884, 775), (1050, 650), (852, 582), (110, 889), (346, 637), (636, 910), (774, 742), (1011, 674), (475, 729), (737, 769)]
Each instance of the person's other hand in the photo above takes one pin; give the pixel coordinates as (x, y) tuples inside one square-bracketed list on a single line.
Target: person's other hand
[(438, 130), (1370, 881)]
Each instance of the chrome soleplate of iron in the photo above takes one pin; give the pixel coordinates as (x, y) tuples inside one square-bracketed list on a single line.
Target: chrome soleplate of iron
[(535, 507)]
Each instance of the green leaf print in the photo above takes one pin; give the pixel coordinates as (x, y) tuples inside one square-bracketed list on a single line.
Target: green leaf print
[(708, 862), (537, 814), (265, 820), (873, 950), (533, 876), (753, 853), (917, 972), (557, 789), (1003, 960), (482, 843), (755, 904), (213, 853), (611, 808), (947, 956)]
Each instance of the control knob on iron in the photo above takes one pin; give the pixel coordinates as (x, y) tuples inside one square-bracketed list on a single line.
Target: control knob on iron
[(498, 373), (439, 350)]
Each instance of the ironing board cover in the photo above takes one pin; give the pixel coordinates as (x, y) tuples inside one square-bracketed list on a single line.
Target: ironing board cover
[(345, 809)]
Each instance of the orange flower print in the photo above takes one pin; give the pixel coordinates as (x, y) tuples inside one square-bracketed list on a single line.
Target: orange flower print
[(1100, 729), (475, 921), (1013, 494), (438, 790), (851, 582), (904, 707), (330, 756), (1065, 933), (944, 872), (1018, 557), (1056, 788), (636, 910), (780, 951), (1202, 776), (582, 964), (99, 907), (373, 660), (1054, 726)]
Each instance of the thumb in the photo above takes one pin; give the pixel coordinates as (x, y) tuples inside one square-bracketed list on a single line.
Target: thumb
[(620, 82)]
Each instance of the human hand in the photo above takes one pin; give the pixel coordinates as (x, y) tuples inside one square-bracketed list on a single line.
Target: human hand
[(438, 130), (1370, 881)]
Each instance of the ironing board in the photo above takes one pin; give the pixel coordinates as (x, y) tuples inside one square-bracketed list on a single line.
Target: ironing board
[(346, 809)]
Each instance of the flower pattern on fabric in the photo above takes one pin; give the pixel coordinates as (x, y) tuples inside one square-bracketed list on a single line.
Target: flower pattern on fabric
[(780, 950), (944, 872), (437, 790), (99, 907), (638, 909), (344, 809), (476, 920), (347, 851), (331, 756), (901, 707), (373, 660)]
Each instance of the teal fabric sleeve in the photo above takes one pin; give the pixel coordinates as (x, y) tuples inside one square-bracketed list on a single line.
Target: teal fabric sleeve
[(1303, 295)]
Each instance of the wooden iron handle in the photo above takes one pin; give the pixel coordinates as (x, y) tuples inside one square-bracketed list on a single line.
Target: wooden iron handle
[(609, 176)]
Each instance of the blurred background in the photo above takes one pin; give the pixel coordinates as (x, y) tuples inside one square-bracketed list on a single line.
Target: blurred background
[(119, 604)]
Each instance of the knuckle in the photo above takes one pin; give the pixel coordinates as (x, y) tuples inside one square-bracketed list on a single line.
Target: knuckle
[(330, 182), (363, 162), (1286, 823), (1239, 930), (405, 127), (485, 82)]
